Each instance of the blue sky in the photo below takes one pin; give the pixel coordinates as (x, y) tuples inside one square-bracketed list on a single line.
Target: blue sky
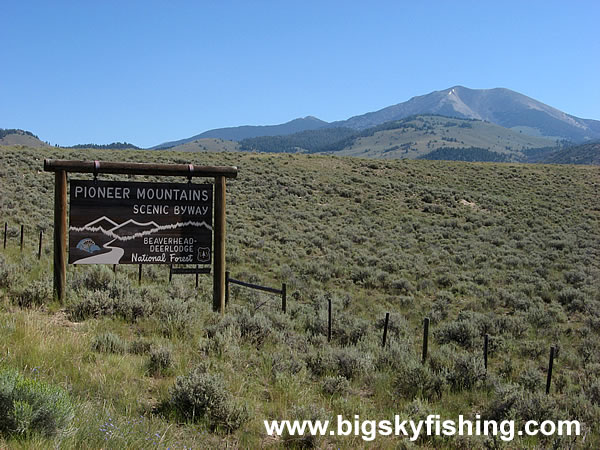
[(152, 71)]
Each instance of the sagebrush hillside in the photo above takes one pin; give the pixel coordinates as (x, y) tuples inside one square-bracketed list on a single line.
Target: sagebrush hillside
[(421, 135), (509, 250)]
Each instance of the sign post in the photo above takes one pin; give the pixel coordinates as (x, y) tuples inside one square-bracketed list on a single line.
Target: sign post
[(60, 235), (140, 223), (219, 269)]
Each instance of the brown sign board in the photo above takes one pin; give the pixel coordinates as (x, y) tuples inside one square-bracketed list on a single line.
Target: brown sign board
[(114, 222)]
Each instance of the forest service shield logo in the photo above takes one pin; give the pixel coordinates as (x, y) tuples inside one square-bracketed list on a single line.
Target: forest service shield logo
[(203, 254)]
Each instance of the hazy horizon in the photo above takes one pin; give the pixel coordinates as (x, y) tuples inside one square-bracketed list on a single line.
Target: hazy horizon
[(146, 73)]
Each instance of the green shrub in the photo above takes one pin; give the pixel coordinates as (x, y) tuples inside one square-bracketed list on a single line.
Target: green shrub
[(348, 329), (417, 380), (30, 406), (531, 379), (161, 360), (532, 350), (575, 277), (440, 306), (285, 363), (402, 286), (463, 332), (316, 326), (36, 293), (98, 277), (8, 273), (544, 317), (302, 413), (393, 356), (204, 396), (593, 393), (108, 343), (175, 316), (351, 362), (397, 326), (133, 307), (221, 341), (504, 399), (572, 299), (140, 347), (467, 371), (335, 385), (91, 304), (320, 361), (536, 406), (254, 328)]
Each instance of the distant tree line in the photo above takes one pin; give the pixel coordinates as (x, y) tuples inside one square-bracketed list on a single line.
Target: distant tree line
[(537, 155), (113, 146), (471, 154), (310, 141), (588, 153)]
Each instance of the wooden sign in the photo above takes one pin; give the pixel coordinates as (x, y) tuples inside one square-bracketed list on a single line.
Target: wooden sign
[(140, 223)]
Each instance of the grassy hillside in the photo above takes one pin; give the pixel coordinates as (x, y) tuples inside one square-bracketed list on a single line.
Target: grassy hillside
[(424, 134), (20, 137), (207, 145), (511, 250)]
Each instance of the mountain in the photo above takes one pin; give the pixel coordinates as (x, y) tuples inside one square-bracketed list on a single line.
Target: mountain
[(250, 131), (500, 106), (410, 138), (20, 137)]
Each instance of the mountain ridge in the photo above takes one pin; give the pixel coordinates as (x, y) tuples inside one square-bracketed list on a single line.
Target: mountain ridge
[(500, 106), (408, 138), (250, 131)]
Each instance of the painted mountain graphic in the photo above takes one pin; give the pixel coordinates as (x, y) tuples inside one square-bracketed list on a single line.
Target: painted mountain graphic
[(132, 229), (103, 222)]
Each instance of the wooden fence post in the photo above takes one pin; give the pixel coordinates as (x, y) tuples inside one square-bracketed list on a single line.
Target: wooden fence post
[(329, 320), (385, 328), (196, 277), (170, 272), (5, 232), (140, 274), (40, 245), (22, 232), (283, 298), (425, 338), (550, 365)]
